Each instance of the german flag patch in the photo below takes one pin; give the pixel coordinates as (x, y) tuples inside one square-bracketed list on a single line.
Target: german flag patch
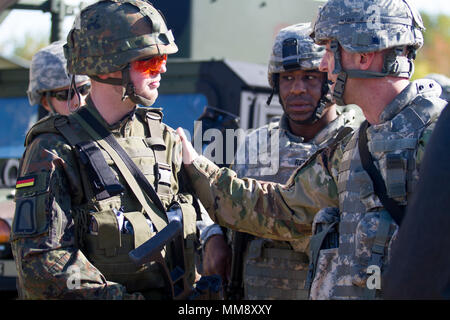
[(27, 181)]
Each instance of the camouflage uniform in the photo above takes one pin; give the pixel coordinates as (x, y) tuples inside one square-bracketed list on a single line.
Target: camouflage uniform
[(48, 72), (444, 82), (277, 270), (265, 259), (70, 237), (334, 177)]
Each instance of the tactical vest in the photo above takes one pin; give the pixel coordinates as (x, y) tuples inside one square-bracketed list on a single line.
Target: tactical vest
[(96, 219), (366, 229), (279, 269)]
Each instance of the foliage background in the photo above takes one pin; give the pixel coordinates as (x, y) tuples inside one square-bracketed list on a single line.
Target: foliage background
[(433, 57)]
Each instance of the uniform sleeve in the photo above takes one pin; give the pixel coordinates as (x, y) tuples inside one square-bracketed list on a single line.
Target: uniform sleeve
[(264, 209), (423, 142), (48, 262)]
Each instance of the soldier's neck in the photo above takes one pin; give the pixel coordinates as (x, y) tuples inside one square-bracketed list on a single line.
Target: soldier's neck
[(376, 94), (108, 101), (309, 131)]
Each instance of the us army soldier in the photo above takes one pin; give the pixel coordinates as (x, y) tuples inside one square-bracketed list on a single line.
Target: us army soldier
[(370, 47), (49, 82), (79, 209), (275, 269)]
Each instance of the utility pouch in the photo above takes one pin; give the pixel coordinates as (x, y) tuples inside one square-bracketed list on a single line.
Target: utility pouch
[(107, 248), (325, 236)]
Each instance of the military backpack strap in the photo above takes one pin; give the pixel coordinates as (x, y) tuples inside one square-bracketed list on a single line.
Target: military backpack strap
[(377, 252), (134, 177), (162, 170), (395, 210), (102, 179)]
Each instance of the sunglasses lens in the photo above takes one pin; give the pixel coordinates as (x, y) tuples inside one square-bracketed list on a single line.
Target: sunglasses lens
[(62, 95), (84, 89), (150, 66)]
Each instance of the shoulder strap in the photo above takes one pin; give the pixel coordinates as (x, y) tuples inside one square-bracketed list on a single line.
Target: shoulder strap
[(134, 177), (163, 170), (100, 176), (44, 125), (395, 210)]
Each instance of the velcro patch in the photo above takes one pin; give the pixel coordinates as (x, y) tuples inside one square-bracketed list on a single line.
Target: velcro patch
[(25, 218)]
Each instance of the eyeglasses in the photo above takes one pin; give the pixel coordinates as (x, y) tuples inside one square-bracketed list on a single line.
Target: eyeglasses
[(63, 95), (150, 66)]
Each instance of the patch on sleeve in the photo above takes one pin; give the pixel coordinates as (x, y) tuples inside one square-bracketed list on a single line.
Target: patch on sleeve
[(26, 181), (25, 217)]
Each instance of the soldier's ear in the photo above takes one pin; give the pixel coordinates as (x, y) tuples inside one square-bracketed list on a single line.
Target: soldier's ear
[(45, 104), (366, 61)]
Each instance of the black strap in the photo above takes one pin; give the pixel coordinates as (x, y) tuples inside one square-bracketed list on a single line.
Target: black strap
[(103, 180), (396, 211), (137, 174)]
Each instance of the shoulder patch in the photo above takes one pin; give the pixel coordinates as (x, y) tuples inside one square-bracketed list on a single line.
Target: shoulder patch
[(26, 181)]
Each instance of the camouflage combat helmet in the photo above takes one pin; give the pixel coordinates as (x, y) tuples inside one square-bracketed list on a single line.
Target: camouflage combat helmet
[(107, 35), (362, 26), (293, 49), (48, 72)]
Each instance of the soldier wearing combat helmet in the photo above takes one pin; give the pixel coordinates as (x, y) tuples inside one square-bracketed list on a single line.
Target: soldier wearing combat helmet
[(362, 183), (310, 122), (49, 82), (84, 195)]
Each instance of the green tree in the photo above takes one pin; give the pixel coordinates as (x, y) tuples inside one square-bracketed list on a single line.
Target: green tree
[(434, 56), (30, 45)]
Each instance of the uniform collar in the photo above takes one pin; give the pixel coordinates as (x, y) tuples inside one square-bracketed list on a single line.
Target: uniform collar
[(323, 135), (425, 87)]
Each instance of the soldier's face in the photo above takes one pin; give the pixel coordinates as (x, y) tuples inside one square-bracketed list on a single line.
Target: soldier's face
[(300, 91), (327, 65), (146, 84), (60, 104)]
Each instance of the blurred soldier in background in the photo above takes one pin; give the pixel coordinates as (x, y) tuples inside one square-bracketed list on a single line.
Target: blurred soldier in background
[(49, 82), (420, 264), (100, 182), (275, 269), (367, 177)]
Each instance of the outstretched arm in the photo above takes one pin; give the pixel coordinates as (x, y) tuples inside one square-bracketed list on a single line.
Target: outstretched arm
[(270, 210)]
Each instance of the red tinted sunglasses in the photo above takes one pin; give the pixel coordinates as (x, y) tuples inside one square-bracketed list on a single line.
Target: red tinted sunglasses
[(150, 66)]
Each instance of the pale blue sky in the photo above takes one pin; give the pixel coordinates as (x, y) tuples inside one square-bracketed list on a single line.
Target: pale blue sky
[(37, 23)]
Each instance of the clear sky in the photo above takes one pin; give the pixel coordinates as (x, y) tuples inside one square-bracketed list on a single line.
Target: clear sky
[(36, 23)]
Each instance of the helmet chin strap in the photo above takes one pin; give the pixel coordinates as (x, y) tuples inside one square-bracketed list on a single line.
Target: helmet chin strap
[(339, 88), (394, 64), (50, 104), (128, 90)]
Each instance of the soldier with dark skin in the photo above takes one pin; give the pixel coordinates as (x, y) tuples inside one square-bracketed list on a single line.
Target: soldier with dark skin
[(370, 48), (278, 269), (79, 212), (49, 82)]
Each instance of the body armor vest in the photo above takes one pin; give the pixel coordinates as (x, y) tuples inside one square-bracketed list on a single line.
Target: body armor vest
[(107, 228), (366, 230), (278, 269)]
